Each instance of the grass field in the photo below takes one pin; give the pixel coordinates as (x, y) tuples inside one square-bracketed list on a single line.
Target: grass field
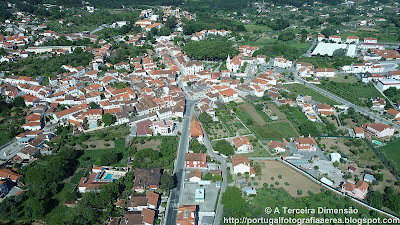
[(259, 151), (391, 152), (92, 157), (77, 177), (303, 90), (276, 130), (252, 28), (340, 78), (352, 92)]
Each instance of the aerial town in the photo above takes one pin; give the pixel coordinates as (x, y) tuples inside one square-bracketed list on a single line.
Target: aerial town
[(199, 112)]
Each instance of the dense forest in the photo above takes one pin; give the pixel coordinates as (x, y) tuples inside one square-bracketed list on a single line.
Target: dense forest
[(205, 21)]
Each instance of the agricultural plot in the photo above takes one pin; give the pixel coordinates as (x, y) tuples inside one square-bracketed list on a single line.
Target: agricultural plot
[(260, 124), (354, 93), (287, 178)]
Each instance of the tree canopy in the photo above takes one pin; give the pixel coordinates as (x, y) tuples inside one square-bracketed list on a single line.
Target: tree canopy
[(224, 147), (210, 50)]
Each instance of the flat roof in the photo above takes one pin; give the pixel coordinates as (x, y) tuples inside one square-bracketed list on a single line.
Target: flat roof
[(199, 194)]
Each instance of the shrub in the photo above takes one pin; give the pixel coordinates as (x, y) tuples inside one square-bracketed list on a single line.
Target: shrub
[(299, 192), (276, 182), (287, 183), (280, 176)]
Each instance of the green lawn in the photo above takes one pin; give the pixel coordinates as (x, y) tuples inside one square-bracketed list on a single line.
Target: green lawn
[(355, 93), (274, 130), (77, 177), (391, 152), (251, 28), (259, 151), (92, 157), (303, 90)]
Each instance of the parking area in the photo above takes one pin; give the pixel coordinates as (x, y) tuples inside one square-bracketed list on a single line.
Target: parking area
[(210, 191), (307, 154)]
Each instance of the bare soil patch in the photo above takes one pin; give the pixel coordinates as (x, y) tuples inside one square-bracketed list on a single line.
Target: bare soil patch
[(154, 143), (99, 144), (295, 180)]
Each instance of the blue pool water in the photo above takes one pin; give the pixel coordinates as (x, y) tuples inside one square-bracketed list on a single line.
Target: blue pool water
[(108, 176), (92, 124), (376, 142)]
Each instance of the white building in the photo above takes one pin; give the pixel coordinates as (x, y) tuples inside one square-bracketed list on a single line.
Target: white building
[(324, 72), (240, 164), (282, 62)]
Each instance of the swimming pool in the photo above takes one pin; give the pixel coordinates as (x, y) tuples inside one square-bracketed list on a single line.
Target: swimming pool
[(92, 124), (108, 176), (377, 142)]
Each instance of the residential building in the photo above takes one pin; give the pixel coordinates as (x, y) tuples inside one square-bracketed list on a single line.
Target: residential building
[(379, 130), (240, 164), (357, 190), (187, 215), (242, 144), (277, 146), (195, 160), (195, 129), (305, 144), (146, 178), (324, 72)]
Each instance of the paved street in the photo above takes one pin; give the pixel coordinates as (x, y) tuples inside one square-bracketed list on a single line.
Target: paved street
[(172, 208)]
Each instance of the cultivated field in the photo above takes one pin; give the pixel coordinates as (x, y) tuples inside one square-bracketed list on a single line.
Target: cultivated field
[(247, 109), (295, 180)]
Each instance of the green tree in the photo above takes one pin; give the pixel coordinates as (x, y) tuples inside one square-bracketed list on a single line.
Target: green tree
[(217, 177), (205, 118), (166, 182), (19, 101), (257, 168), (375, 198), (108, 119), (109, 158), (233, 202), (207, 176), (223, 147)]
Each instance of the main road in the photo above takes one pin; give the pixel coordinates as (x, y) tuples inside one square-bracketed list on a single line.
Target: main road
[(179, 168)]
